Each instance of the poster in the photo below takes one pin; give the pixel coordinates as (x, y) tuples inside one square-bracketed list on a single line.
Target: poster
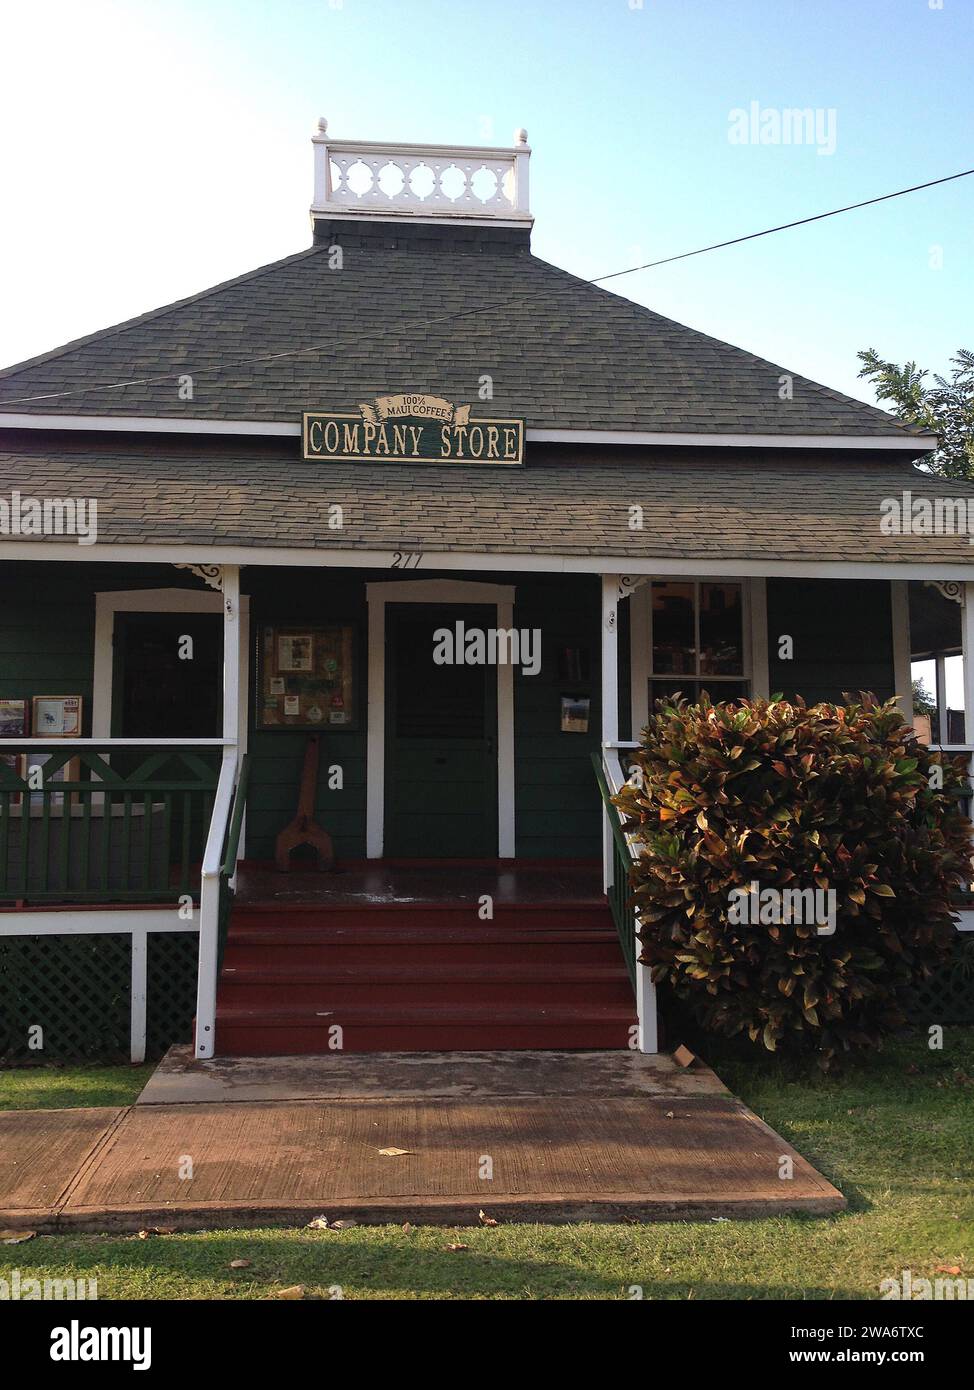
[(13, 718), (306, 678), (57, 716), (575, 714)]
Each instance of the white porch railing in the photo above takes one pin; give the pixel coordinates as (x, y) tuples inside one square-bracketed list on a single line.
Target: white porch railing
[(407, 182)]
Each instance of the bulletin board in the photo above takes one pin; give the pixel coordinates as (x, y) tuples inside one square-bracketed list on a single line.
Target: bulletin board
[(306, 677)]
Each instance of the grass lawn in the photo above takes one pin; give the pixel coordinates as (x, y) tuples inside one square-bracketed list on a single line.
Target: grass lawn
[(895, 1133), (68, 1088)]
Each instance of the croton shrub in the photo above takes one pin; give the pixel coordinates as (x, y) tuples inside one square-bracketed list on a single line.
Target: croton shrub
[(735, 798)]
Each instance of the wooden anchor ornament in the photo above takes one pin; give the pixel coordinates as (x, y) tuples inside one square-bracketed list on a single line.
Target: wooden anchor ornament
[(303, 830)]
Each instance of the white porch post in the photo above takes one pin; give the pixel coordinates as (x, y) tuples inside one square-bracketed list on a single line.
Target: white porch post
[(967, 647), (140, 967), (639, 663), (758, 603), (506, 839), (940, 668), (900, 612), (210, 887), (610, 699), (231, 652), (375, 753)]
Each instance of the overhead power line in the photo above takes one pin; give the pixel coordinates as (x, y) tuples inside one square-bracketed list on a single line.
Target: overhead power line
[(492, 308)]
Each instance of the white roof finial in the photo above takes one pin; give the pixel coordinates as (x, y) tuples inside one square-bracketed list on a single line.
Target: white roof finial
[(520, 136), (322, 126)]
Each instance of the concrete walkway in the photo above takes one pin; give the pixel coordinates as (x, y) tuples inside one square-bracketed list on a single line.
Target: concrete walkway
[(277, 1141)]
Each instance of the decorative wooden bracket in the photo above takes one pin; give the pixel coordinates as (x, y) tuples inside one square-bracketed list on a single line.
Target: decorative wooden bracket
[(211, 575), (303, 830), (629, 583), (948, 588)]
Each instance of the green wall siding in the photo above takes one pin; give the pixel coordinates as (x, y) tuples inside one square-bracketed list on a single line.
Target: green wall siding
[(556, 797), (843, 637)]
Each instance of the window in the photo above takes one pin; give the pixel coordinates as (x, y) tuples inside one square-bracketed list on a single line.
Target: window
[(697, 640)]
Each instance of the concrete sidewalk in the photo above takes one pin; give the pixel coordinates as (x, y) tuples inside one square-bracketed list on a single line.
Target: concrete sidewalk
[(565, 1137)]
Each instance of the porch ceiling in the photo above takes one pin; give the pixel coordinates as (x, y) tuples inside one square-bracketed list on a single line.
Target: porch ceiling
[(738, 505)]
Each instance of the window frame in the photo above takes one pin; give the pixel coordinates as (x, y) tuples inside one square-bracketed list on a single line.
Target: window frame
[(744, 676), (641, 641)]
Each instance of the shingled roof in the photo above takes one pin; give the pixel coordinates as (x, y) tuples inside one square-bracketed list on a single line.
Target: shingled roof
[(429, 309), (792, 505)]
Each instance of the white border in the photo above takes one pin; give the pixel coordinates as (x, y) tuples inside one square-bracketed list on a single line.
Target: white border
[(110, 602), (165, 424), (435, 591), (736, 568)]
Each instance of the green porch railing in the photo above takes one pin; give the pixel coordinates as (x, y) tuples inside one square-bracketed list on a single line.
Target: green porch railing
[(110, 821), (229, 866), (619, 890)]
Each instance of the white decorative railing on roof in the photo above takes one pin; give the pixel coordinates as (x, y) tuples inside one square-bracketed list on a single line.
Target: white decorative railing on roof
[(407, 182)]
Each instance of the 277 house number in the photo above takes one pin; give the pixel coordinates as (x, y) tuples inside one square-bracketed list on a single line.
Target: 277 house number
[(407, 559)]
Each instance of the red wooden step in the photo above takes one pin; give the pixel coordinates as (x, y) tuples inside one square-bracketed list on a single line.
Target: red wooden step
[(424, 916), (396, 983), (257, 1033), (408, 976)]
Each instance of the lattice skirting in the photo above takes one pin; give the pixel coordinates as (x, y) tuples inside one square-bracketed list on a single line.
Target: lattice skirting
[(77, 990), (948, 996)]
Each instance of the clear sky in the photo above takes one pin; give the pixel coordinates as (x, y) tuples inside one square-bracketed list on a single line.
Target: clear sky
[(151, 148)]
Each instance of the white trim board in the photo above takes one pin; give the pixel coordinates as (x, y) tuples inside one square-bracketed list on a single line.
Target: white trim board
[(699, 567), (435, 591), (165, 424), (110, 602), (96, 921)]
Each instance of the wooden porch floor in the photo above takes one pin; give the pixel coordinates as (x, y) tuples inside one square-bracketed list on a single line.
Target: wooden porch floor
[(380, 882)]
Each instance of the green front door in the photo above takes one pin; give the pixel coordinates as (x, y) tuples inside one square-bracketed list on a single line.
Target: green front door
[(441, 739)]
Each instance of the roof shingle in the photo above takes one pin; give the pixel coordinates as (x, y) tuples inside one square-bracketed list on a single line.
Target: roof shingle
[(428, 314)]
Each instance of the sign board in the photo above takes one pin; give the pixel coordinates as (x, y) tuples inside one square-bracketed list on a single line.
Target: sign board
[(411, 429)]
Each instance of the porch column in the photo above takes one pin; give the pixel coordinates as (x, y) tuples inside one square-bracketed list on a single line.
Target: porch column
[(235, 688), (902, 678), (231, 652), (940, 683), (967, 649), (639, 654), (212, 855), (757, 590), (610, 698)]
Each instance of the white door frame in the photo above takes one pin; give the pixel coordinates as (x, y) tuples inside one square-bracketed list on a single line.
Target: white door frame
[(435, 591), (109, 603)]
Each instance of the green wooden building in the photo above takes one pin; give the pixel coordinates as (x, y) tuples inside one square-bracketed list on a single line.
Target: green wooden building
[(418, 525)]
